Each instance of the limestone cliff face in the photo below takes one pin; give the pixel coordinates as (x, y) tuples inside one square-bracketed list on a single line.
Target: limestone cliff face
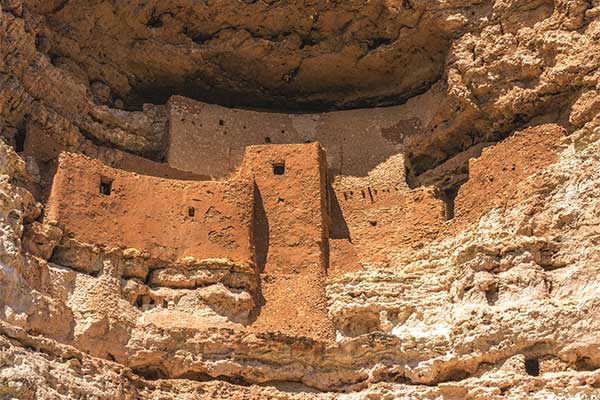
[(463, 262)]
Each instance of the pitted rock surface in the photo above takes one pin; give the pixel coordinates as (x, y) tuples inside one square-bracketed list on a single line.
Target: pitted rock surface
[(295, 200)]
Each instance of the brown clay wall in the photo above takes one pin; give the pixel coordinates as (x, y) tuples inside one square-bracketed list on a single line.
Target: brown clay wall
[(210, 140), (152, 214), (46, 149), (291, 235), (371, 215), (377, 218), (294, 203), (494, 177)]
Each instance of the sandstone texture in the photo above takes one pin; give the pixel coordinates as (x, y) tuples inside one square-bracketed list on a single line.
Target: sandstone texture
[(362, 199)]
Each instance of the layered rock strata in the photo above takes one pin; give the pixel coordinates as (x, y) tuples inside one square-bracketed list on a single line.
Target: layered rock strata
[(448, 250)]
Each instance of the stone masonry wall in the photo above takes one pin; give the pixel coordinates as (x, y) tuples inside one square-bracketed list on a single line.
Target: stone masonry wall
[(372, 214), (210, 140), (291, 236), (168, 219)]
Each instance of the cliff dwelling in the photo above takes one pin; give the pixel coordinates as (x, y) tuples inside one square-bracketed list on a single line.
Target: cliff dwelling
[(317, 200)]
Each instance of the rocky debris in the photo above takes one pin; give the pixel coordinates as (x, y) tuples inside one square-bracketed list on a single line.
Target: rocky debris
[(41, 239)]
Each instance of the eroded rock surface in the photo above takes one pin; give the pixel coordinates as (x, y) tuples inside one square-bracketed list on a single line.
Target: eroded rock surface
[(446, 246)]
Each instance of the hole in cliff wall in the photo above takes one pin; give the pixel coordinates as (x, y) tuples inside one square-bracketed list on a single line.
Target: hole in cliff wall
[(375, 43), (381, 80), (456, 375), (154, 22), (279, 168), (391, 375), (267, 139), (532, 366), (150, 373), (106, 186), (361, 322), (586, 364), (146, 302), (250, 98), (491, 296), (20, 141), (448, 196), (154, 373), (191, 211), (407, 4), (290, 386)]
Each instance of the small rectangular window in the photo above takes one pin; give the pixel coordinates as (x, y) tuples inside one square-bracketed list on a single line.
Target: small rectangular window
[(191, 211), (105, 185), (279, 169)]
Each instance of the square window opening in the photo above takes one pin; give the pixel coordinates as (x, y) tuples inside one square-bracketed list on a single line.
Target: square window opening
[(279, 169), (105, 186)]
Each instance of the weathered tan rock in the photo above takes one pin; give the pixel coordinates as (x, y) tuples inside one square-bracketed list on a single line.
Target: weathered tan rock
[(40, 240)]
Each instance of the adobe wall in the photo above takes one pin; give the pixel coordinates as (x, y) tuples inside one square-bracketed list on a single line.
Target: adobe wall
[(294, 203), (291, 236), (210, 140), (390, 220), (46, 149), (152, 214), (376, 213), (494, 177), (370, 217)]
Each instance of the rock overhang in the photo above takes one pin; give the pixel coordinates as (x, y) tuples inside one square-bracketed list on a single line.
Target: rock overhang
[(321, 56)]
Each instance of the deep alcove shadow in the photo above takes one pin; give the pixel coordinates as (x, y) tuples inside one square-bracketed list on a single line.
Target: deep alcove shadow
[(339, 227), (260, 231)]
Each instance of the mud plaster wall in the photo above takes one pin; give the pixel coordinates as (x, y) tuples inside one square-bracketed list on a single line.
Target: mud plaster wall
[(291, 237), (368, 219), (210, 140), (293, 202), (46, 149), (496, 174), (169, 219), (371, 214)]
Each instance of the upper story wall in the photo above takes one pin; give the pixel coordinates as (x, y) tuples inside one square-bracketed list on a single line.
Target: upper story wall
[(211, 140), (46, 149), (169, 219), (291, 237), (291, 205)]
